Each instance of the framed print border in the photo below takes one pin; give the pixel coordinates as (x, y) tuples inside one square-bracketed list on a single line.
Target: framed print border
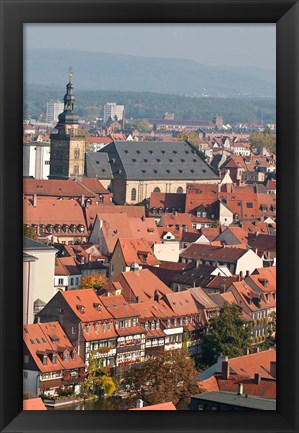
[(15, 13)]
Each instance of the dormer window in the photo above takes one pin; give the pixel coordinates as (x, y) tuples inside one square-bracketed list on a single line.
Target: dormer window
[(66, 356), (101, 199), (174, 322), (54, 358), (50, 228), (45, 359), (66, 228), (97, 306), (146, 325), (157, 324), (58, 228), (81, 308), (81, 228), (152, 326), (74, 355), (73, 228), (168, 323), (96, 327)]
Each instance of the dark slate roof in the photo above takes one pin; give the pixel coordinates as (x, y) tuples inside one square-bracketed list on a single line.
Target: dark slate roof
[(30, 244), (176, 160), (198, 277), (231, 398), (97, 165)]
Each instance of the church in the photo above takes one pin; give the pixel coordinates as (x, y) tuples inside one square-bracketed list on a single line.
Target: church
[(132, 170)]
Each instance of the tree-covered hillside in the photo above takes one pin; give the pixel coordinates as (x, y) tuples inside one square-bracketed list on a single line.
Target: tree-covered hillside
[(89, 104)]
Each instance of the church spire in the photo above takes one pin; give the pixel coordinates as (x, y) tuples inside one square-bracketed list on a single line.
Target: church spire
[(68, 116)]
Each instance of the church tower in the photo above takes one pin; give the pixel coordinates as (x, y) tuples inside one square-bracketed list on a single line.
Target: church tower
[(68, 145)]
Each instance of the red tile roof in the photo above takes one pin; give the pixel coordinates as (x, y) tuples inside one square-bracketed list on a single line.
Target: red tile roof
[(182, 303), (142, 283), (177, 219), (51, 211), (86, 304), (161, 406), (144, 228), (118, 307), (137, 250), (161, 200), (34, 404), (41, 338), (254, 363), (213, 253), (66, 266)]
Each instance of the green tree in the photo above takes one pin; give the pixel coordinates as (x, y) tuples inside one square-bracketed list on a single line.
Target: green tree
[(169, 376), (141, 125), (260, 140), (30, 232), (228, 335), (97, 379), (216, 224)]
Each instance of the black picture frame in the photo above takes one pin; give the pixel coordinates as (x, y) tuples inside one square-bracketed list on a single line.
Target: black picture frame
[(14, 14)]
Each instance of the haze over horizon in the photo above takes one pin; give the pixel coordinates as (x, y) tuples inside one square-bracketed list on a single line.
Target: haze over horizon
[(223, 45)]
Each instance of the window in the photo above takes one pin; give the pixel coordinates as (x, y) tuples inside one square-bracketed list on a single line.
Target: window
[(54, 358), (47, 162), (179, 190), (26, 359), (146, 325), (101, 199), (133, 194), (60, 280), (249, 205), (25, 374), (77, 281), (204, 214), (152, 325), (72, 281), (73, 329), (45, 359), (168, 323), (157, 189)]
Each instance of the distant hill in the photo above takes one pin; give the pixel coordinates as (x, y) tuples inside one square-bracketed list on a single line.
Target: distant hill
[(89, 104), (117, 72)]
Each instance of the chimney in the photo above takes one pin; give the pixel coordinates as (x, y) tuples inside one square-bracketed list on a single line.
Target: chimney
[(225, 369), (156, 296), (34, 200), (273, 368), (240, 389), (139, 403), (257, 378), (241, 275), (247, 274), (82, 200)]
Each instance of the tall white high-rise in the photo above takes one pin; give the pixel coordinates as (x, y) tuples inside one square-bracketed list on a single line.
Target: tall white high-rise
[(111, 109), (54, 108)]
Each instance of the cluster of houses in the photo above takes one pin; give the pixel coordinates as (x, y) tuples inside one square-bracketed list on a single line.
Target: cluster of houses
[(174, 239)]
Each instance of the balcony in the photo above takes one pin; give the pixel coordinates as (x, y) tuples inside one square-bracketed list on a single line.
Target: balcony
[(128, 348)]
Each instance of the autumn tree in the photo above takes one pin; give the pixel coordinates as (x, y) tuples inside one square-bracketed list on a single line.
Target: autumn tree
[(30, 232), (168, 376), (228, 335), (93, 281), (192, 137), (260, 140), (97, 379)]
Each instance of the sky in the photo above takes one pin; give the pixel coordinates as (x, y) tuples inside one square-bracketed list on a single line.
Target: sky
[(209, 44)]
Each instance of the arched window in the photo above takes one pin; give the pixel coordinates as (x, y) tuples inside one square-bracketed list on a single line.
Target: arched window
[(133, 194), (179, 190), (157, 189)]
